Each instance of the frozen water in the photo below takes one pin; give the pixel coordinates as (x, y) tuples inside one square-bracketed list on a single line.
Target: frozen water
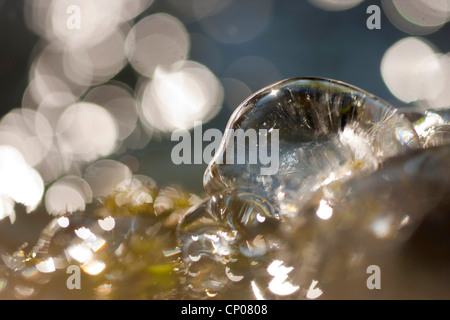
[(354, 179), (327, 131)]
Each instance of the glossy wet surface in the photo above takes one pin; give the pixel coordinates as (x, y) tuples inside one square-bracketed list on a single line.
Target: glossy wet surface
[(357, 184)]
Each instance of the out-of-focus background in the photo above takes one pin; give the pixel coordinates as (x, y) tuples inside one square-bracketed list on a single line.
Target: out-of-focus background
[(91, 91)]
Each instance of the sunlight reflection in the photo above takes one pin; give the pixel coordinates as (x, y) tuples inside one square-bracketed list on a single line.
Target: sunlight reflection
[(84, 233), (382, 227), (46, 266), (18, 181), (67, 195), (325, 211), (412, 70), (98, 63), (97, 23), (280, 284), (93, 267), (313, 292), (87, 131), (63, 222), (256, 291), (81, 252), (28, 132), (157, 40), (107, 224), (176, 98), (104, 176), (417, 17), (117, 99), (442, 100), (335, 5)]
